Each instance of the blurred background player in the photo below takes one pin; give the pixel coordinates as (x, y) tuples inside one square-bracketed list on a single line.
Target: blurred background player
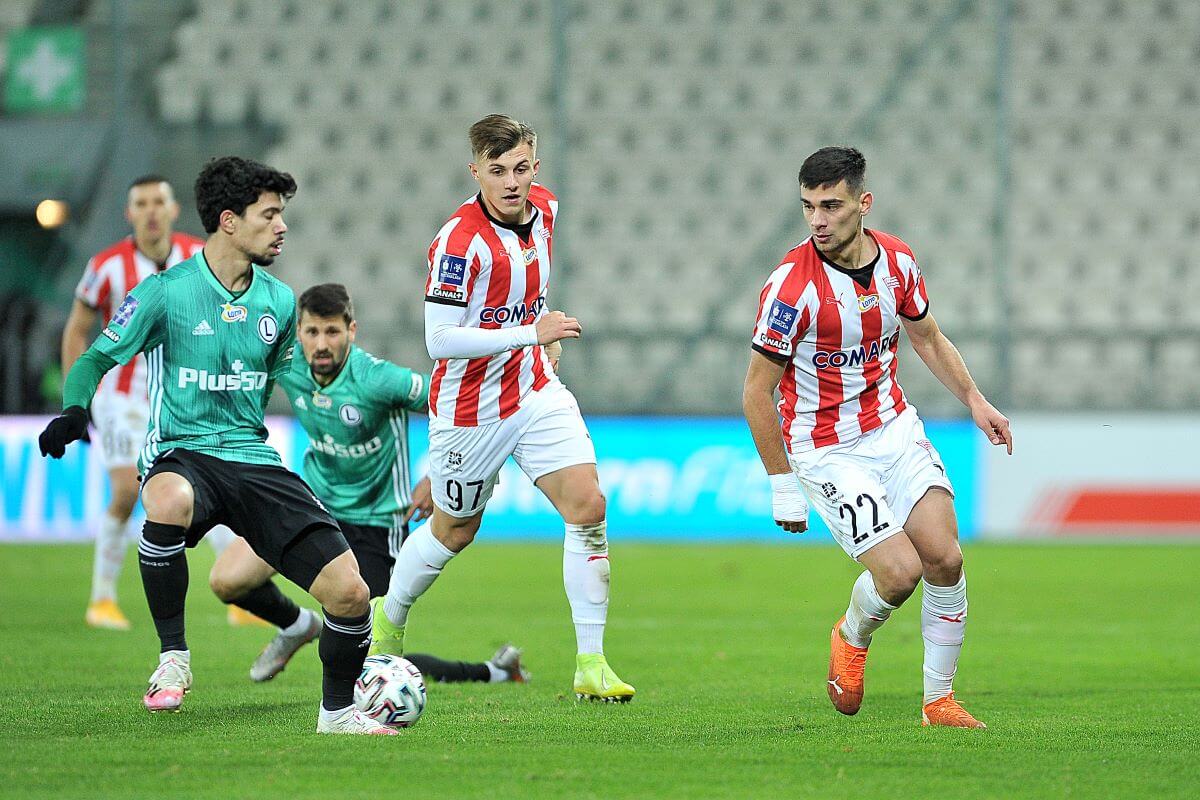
[(120, 411), (218, 330), (354, 408), (494, 393), (826, 337)]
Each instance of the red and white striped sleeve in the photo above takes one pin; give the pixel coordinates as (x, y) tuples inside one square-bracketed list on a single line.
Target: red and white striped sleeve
[(94, 287), (450, 270), (783, 316)]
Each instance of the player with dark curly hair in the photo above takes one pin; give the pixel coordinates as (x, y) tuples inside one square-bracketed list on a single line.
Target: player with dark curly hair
[(217, 331)]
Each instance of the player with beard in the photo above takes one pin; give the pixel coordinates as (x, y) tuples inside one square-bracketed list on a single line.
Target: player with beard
[(354, 408), (217, 331)]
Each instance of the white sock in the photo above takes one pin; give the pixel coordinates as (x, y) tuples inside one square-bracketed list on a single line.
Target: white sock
[(943, 625), (301, 625), (110, 553), (495, 674), (219, 538), (586, 577), (420, 561), (866, 613)]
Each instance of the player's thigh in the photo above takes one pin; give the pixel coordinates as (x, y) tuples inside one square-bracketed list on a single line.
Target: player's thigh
[(933, 529), (848, 495), (465, 462), (575, 493), (555, 450), (124, 484), (374, 549), (238, 570)]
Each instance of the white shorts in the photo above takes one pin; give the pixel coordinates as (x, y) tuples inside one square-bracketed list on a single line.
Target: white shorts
[(120, 422), (545, 435), (865, 489)]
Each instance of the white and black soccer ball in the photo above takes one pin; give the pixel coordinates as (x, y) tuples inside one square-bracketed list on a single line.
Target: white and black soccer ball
[(390, 690)]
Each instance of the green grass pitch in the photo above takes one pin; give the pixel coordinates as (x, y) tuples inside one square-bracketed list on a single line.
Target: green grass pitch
[(1084, 661)]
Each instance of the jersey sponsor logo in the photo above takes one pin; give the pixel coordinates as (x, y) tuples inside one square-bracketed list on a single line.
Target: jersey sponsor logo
[(769, 339), (232, 313), (867, 301), (329, 447), (518, 313), (322, 401), (350, 414), (203, 329), (109, 333), (268, 328), (529, 255), (854, 356), (125, 311), (238, 380), (782, 318)]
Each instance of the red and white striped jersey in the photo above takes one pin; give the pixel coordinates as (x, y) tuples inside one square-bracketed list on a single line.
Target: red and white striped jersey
[(109, 276), (840, 339), (499, 281)]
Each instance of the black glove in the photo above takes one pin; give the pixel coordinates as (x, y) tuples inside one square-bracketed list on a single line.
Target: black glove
[(62, 430)]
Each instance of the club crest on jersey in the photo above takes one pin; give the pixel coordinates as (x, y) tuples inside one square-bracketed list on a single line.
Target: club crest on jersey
[(867, 301), (268, 328), (125, 311), (782, 318), (232, 313), (322, 401), (350, 415)]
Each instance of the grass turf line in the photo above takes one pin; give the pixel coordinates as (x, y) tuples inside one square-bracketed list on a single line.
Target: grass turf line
[(1083, 660)]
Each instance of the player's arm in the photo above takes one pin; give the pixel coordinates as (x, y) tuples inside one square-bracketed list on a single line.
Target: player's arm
[(78, 332), (447, 337), (758, 404), (947, 365), (133, 328)]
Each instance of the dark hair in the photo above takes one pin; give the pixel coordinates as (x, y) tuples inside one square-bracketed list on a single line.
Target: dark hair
[(496, 134), (234, 183), (829, 165), (152, 177), (327, 300)]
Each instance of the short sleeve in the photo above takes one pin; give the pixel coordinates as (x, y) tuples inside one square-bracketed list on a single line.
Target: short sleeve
[(447, 282), (285, 348), (399, 387), (93, 288), (782, 318), (137, 325), (914, 305)]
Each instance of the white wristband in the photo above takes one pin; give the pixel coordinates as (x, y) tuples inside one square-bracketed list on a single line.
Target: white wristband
[(788, 503)]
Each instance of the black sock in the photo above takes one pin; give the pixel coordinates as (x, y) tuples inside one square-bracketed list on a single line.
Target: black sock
[(165, 579), (268, 602), (435, 669), (344, 643)]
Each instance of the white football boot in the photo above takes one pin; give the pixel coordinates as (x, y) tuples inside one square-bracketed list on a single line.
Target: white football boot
[(351, 720), (170, 682)]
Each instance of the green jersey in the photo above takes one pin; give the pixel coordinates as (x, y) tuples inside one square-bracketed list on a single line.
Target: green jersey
[(357, 426), (212, 355)]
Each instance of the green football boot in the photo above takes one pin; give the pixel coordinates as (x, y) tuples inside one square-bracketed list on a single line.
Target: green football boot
[(386, 638), (595, 680)]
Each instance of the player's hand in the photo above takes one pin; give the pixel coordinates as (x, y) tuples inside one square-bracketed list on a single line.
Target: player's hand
[(788, 503), (557, 325), (422, 502), (554, 353), (62, 430), (994, 424)]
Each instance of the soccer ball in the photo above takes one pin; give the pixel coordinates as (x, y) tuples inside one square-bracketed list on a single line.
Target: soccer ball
[(390, 690)]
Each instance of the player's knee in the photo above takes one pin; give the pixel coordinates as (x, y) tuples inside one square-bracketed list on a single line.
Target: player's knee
[(169, 501), (349, 598), (945, 568), (897, 580), (224, 585), (590, 508)]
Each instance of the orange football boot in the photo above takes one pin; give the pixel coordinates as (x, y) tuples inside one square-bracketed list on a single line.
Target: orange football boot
[(106, 614), (947, 712), (846, 666), (239, 617)]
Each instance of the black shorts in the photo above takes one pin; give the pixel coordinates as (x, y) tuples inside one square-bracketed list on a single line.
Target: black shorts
[(375, 548), (270, 507)]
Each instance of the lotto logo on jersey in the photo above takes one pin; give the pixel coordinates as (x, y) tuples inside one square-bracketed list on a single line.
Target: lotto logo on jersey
[(232, 313), (855, 356), (867, 301), (125, 311), (237, 381), (519, 313), (782, 318)]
